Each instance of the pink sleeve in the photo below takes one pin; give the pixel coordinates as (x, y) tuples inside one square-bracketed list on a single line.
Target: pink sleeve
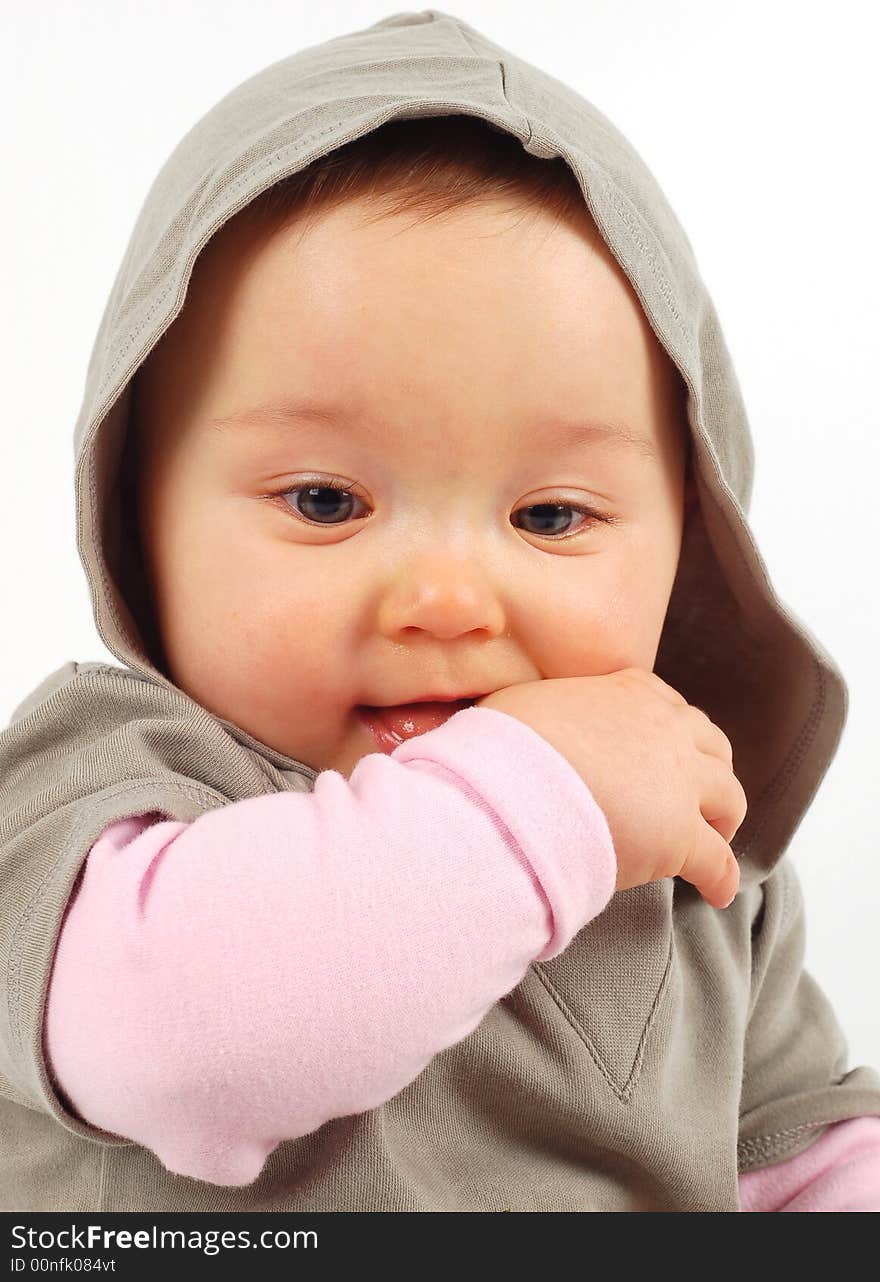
[(840, 1171), (222, 985)]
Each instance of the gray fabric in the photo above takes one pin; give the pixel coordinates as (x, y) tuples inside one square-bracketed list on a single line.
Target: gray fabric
[(671, 1045)]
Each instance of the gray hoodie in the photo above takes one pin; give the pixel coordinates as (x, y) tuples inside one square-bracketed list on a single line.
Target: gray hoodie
[(703, 1047)]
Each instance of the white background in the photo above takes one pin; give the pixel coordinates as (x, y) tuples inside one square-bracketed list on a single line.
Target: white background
[(760, 121)]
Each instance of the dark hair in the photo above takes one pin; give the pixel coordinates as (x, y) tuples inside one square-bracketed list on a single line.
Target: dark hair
[(429, 165)]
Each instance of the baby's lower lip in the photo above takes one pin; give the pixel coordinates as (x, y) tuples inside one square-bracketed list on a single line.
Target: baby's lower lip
[(393, 726)]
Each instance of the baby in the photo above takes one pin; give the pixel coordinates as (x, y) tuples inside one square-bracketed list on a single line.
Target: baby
[(427, 852)]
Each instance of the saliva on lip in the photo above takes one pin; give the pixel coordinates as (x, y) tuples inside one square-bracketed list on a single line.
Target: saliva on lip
[(408, 726), (394, 726)]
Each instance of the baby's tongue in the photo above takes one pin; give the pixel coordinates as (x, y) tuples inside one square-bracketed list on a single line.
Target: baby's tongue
[(407, 720)]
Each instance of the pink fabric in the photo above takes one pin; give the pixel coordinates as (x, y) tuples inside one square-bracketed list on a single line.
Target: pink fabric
[(223, 985), (840, 1171)]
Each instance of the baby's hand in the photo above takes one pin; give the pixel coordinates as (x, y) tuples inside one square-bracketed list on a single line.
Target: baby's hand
[(659, 768)]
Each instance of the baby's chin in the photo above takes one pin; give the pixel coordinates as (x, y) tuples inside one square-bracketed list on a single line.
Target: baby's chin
[(362, 737), (346, 761), (354, 743)]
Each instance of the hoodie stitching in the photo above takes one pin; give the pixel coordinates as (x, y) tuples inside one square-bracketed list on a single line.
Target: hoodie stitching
[(624, 1092), (625, 208), (499, 63), (221, 197), (102, 1178), (773, 1143), (627, 211), (787, 904), (631, 217)]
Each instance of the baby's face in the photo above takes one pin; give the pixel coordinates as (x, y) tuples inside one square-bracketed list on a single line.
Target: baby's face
[(453, 369)]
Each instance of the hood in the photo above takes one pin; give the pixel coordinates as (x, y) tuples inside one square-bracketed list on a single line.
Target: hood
[(729, 644)]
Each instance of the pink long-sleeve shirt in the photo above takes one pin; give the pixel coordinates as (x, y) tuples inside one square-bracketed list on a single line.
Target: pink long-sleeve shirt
[(334, 904)]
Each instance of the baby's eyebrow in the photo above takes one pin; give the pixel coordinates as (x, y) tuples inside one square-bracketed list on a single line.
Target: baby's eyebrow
[(559, 435)]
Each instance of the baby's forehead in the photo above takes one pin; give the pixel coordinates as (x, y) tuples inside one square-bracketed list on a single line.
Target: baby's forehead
[(224, 274)]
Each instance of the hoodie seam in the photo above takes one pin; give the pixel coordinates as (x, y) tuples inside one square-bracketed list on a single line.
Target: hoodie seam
[(639, 229), (102, 1178), (221, 198), (642, 234), (499, 63), (623, 1092), (775, 1143)]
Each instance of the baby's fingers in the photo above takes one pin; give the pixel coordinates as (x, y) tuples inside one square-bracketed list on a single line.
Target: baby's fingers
[(712, 867), (723, 802)]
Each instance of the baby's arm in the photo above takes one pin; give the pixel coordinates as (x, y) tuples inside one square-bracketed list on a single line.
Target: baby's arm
[(224, 985)]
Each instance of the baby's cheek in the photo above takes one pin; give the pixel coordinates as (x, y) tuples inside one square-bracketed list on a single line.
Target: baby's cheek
[(281, 658), (610, 619)]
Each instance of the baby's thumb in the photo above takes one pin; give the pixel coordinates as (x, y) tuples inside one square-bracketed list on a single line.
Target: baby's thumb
[(712, 867)]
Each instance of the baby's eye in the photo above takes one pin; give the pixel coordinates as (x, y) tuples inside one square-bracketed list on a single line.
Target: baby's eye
[(330, 502), (547, 516), (327, 503)]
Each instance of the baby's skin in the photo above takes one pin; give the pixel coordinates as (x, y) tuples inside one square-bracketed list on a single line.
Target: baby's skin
[(363, 474), (659, 768), (386, 461)]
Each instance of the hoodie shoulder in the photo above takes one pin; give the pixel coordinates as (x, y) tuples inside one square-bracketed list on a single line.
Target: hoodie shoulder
[(93, 727), (44, 689), (92, 744)]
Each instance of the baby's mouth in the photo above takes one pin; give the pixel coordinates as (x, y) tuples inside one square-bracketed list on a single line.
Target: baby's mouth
[(393, 726)]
